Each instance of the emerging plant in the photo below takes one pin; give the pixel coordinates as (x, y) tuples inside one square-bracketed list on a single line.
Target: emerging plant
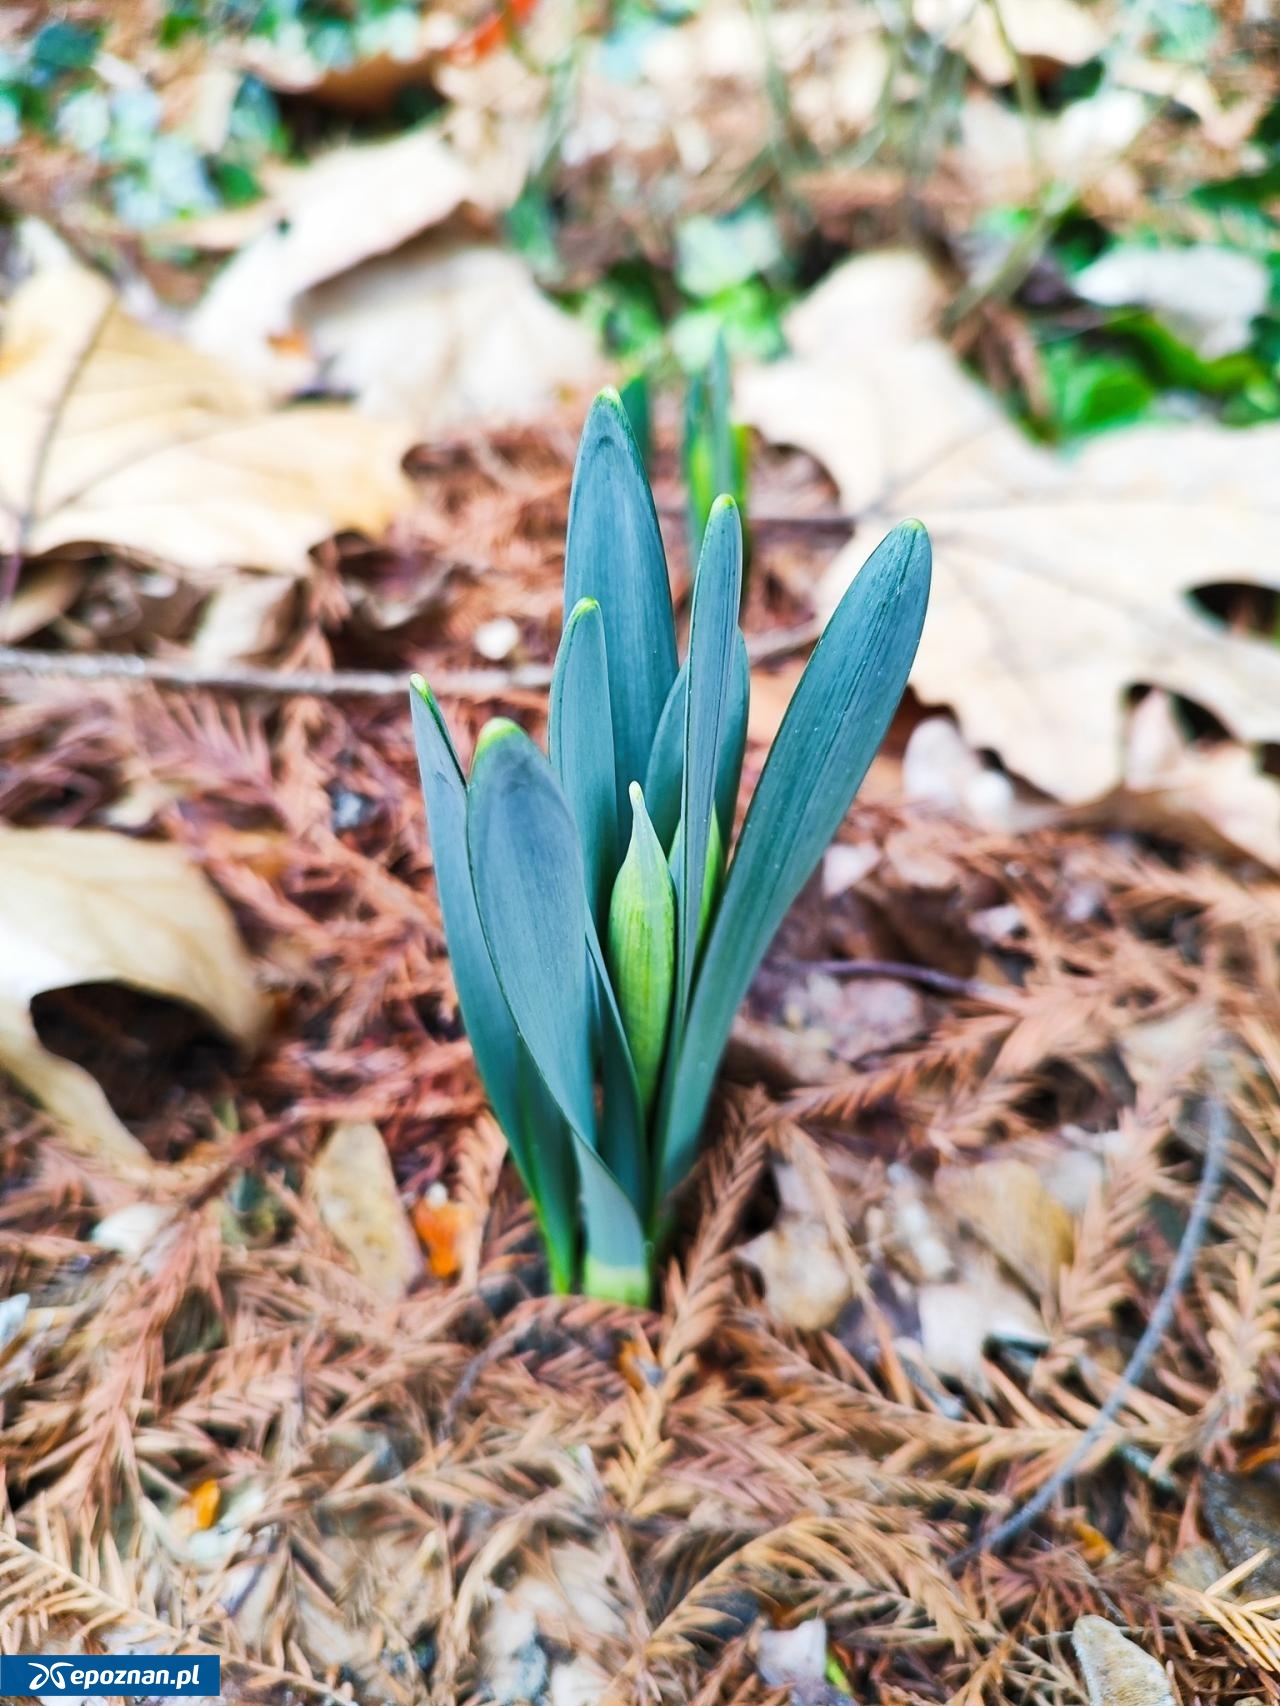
[(714, 451), (601, 930)]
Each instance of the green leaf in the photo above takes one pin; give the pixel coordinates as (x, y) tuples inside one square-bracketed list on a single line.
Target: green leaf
[(713, 623), (711, 878), (642, 947), (613, 553), (624, 1143), (580, 736), (715, 451), (530, 891), (535, 1129), (842, 707), (666, 761)]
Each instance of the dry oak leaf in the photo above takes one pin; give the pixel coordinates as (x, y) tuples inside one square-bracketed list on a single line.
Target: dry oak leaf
[(90, 906), (114, 434), (355, 1194), (344, 208), (1059, 583)]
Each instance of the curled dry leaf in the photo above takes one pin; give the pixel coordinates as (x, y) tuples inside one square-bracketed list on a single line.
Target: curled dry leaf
[(806, 1279), (116, 435), (1208, 295), (964, 1300), (446, 330), (1117, 1672), (992, 37), (1003, 161), (1058, 583), (345, 208), (798, 1654), (89, 906), (1210, 791), (355, 1194)]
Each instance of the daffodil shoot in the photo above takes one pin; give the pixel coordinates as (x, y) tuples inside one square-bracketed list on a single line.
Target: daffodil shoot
[(602, 920)]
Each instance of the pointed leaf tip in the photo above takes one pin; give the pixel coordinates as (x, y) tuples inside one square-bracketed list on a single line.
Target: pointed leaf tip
[(495, 730)]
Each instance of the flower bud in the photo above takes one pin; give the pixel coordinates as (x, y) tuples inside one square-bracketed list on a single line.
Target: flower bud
[(642, 947)]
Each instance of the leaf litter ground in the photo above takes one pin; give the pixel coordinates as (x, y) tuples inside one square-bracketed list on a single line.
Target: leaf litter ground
[(219, 1435)]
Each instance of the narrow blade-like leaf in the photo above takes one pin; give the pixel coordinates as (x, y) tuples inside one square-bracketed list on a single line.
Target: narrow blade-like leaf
[(713, 623), (526, 866), (614, 553), (534, 1126), (580, 736), (666, 761), (841, 709)]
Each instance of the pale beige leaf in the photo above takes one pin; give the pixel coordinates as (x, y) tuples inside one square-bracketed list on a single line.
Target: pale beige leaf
[(355, 1193), (991, 39), (1117, 1671), (806, 1278), (1174, 786), (1209, 295), (44, 592), (540, 1637), (1156, 1052), (344, 208), (960, 1318), (89, 906), (114, 434), (1059, 583), (245, 619), (1004, 161), (1008, 1207), (445, 331)]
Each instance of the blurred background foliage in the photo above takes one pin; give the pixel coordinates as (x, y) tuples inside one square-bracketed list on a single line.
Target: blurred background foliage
[(669, 217)]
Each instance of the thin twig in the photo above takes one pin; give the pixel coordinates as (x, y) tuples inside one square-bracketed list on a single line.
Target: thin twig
[(971, 988), (328, 684), (1217, 1126)]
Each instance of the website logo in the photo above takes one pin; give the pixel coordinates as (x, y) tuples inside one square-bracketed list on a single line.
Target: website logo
[(136, 1675)]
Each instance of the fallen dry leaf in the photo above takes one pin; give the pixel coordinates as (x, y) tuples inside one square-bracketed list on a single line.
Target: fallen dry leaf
[(1208, 295), (536, 1639), (45, 591), (342, 209), (1156, 1052), (1005, 162), (364, 86), (446, 330), (355, 1193), (1117, 1672), (963, 1300), (89, 906), (806, 1279), (992, 40), (114, 434), (1173, 785), (798, 1654), (1009, 1208), (1058, 583)]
